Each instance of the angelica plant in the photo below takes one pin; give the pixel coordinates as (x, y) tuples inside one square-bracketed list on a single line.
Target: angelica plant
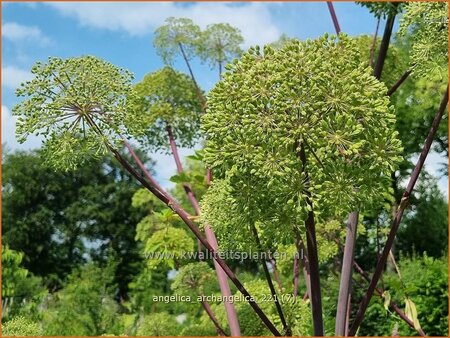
[(168, 99), (219, 44), (300, 132), (427, 23), (81, 106), (311, 95)]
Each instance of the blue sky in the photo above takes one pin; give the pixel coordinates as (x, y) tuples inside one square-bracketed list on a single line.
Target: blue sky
[(122, 33)]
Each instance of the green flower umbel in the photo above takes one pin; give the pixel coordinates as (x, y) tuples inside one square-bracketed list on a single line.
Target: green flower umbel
[(79, 105), (318, 96)]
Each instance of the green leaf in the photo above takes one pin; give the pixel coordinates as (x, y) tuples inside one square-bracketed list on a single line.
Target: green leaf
[(411, 312), (180, 178), (387, 300)]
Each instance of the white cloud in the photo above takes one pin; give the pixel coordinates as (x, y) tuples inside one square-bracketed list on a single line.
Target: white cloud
[(17, 32), (12, 76), (253, 19)]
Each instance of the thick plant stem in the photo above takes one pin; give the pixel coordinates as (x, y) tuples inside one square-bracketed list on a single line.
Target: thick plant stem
[(211, 237), (186, 186), (378, 69), (346, 276), (304, 259), (287, 330), (398, 216), (334, 17), (142, 166), (393, 305), (296, 274), (186, 218), (224, 287), (313, 259), (213, 318)]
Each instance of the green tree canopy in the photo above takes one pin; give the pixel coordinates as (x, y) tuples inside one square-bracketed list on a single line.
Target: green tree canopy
[(57, 218)]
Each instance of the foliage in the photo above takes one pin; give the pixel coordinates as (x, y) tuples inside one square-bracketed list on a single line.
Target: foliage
[(428, 24), (143, 198), (20, 326), (79, 105), (168, 98), (426, 282), (175, 34), (195, 175), (12, 272), (416, 102), (219, 44), (159, 324), (425, 225), (57, 219), (92, 290), (195, 279), (168, 247), (21, 292), (297, 311)]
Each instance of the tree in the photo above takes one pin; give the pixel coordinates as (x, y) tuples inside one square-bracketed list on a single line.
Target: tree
[(51, 216)]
